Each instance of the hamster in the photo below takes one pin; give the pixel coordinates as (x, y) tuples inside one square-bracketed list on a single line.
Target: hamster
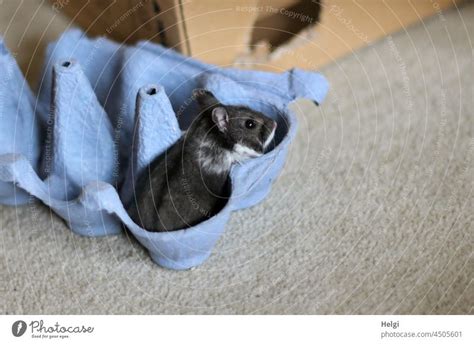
[(189, 183)]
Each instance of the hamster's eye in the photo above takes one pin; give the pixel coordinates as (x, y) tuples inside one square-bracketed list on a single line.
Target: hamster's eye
[(250, 124)]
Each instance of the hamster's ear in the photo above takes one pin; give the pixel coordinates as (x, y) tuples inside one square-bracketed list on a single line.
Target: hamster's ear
[(205, 99), (221, 118)]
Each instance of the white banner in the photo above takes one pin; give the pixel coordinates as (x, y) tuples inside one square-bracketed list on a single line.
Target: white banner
[(237, 329)]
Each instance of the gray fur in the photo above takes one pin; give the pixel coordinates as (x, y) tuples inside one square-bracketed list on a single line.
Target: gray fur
[(189, 182)]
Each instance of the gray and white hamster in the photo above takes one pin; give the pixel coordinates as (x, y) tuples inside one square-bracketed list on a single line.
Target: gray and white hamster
[(189, 183)]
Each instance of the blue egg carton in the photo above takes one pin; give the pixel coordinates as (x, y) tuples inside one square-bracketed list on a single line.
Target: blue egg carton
[(104, 111)]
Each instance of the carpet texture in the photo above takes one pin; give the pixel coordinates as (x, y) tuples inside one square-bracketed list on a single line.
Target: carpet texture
[(373, 213)]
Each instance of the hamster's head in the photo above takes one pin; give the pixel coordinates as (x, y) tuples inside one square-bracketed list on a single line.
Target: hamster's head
[(248, 132)]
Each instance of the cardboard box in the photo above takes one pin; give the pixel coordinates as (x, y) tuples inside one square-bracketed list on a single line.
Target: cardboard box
[(123, 20), (213, 31), (344, 26), (260, 34)]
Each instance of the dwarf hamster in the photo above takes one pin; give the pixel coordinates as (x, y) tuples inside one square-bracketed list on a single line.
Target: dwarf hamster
[(189, 182)]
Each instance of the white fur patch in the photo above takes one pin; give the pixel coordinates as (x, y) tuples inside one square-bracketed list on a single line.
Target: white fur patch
[(241, 153), (222, 162), (270, 138), (218, 163)]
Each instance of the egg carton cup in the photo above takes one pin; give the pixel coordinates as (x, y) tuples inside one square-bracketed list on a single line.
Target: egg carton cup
[(104, 111)]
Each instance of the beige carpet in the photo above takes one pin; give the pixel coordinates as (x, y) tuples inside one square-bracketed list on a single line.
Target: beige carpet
[(373, 213)]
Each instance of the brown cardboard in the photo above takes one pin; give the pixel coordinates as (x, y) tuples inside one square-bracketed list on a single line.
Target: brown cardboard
[(344, 27), (122, 20), (261, 34), (213, 31)]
